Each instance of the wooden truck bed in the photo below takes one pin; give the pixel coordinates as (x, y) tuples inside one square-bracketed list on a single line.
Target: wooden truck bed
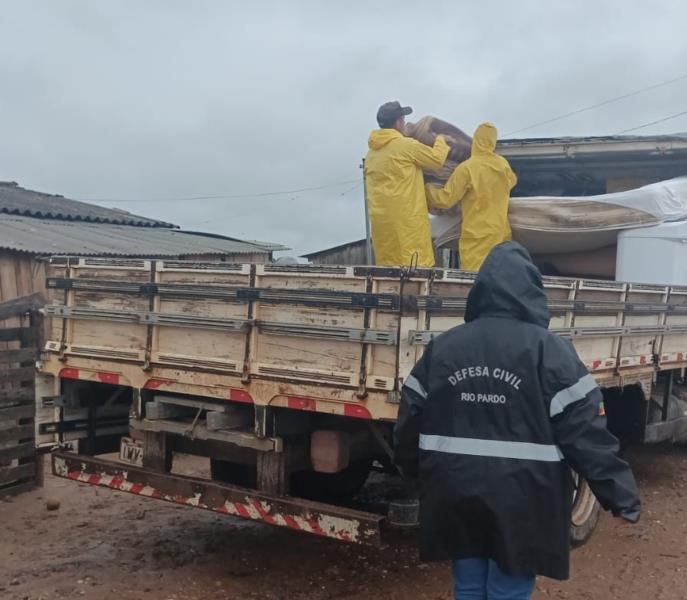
[(327, 339)]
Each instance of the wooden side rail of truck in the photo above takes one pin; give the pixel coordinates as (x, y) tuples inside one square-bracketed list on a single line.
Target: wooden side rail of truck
[(287, 377)]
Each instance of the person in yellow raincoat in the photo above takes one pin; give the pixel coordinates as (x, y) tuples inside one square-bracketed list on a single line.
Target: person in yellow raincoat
[(397, 205), (483, 184)]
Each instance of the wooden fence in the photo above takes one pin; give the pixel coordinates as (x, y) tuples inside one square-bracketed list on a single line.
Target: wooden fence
[(20, 340)]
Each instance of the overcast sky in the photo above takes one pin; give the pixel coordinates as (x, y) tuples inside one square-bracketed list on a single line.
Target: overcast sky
[(147, 101)]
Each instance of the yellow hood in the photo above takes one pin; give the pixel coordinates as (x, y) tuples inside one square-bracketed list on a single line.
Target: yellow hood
[(381, 137), (484, 140)]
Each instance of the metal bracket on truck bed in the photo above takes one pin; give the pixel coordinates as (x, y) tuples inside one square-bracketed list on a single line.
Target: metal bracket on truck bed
[(319, 519), (201, 432)]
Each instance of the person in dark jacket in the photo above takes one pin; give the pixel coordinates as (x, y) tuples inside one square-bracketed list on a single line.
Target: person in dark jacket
[(493, 418)]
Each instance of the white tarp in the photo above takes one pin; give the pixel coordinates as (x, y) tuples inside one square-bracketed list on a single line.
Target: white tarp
[(550, 224)]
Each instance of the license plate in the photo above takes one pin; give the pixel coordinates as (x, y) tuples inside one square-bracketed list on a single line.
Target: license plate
[(131, 451)]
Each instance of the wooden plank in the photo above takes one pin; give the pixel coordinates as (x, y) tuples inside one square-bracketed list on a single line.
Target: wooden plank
[(17, 412), (39, 275), (19, 306), (31, 337), (36, 339), (19, 451), (9, 474), (25, 395), (19, 355), (8, 276), (24, 279), (18, 488), (38, 285), (18, 375), (22, 432), (9, 334), (39, 461)]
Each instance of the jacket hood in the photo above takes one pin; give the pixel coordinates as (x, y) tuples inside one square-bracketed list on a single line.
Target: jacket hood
[(508, 285), (381, 137), (484, 140)]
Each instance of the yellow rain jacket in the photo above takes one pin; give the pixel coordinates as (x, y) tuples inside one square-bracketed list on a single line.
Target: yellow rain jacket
[(483, 184), (397, 204)]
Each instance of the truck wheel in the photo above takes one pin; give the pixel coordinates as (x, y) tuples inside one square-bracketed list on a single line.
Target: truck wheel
[(585, 512), (331, 486)]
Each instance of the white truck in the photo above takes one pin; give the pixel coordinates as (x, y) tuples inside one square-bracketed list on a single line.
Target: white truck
[(287, 378)]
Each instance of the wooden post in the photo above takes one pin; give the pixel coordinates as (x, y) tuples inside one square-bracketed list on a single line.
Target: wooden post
[(273, 473), (157, 452), (368, 235)]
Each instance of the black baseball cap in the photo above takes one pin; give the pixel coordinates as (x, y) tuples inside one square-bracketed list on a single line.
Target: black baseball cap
[(391, 112)]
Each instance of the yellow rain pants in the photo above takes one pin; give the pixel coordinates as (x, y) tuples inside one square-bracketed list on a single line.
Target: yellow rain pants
[(483, 184), (397, 204)]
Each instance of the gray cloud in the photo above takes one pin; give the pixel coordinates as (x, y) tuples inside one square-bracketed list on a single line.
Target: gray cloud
[(132, 100)]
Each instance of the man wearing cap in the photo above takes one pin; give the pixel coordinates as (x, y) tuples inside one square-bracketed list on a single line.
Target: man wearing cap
[(397, 205)]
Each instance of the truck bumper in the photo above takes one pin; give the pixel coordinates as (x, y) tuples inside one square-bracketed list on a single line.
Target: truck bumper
[(316, 518)]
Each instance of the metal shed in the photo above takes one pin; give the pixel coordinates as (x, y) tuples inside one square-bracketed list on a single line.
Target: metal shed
[(34, 225)]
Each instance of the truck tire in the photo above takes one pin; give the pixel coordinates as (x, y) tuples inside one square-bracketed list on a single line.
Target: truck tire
[(585, 513)]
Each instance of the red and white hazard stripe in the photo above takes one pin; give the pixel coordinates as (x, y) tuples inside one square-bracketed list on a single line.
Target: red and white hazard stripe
[(674, 357), (255, 509), (640, 360), (97, 376), (345, 409), (600, 364)]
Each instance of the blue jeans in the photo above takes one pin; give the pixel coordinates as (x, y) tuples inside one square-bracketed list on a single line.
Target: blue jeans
[(481, 579)]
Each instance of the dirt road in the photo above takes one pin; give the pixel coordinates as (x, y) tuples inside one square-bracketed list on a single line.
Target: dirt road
[(101, 544)]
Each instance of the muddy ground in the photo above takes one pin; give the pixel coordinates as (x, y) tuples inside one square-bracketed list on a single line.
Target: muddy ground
[(102, 544)]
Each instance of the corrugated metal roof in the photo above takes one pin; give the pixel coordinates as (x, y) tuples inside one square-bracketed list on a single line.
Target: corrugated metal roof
[(16, 200), (602, 145), (272, 246), (334, 248), (673, 137), (41, 236), (269, 246)]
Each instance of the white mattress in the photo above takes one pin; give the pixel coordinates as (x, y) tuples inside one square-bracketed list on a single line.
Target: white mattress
[(550, 224)]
